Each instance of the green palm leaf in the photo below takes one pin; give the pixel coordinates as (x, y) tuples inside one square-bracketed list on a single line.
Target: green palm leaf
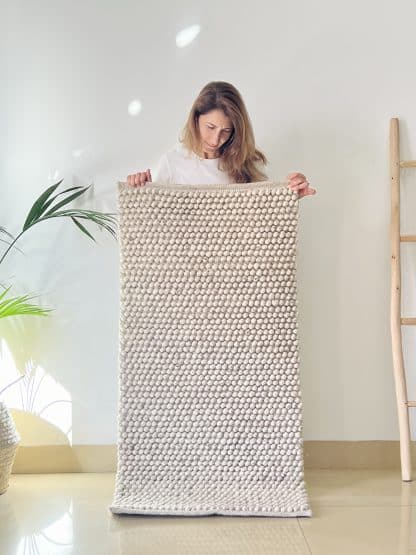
[(67, 199), (17, 306), (39, 213), (107, 221), (36, 209), (42, 204), (50, 201), (82, 228)]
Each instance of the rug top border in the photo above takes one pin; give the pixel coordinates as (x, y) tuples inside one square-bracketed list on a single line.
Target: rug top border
[(161, 186)]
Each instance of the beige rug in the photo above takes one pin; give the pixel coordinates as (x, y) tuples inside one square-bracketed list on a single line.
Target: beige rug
[(210, 410)]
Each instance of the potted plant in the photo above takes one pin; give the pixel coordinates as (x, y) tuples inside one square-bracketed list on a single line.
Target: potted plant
[(42, 210)]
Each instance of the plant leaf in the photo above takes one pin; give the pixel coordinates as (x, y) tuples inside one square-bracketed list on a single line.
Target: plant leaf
[(82, 228), (6, 290), (50, 201), (36, 209), (4, 230), (99, 218), (65, 201), (18, 306)]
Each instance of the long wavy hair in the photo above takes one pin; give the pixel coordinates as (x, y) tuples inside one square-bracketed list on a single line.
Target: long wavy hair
[(239, 156)]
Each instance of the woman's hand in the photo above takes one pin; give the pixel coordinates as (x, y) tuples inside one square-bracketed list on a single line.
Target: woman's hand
[(140, 178), (298, 182)]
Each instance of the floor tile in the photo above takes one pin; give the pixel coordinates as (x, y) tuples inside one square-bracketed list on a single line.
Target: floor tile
[(354, 512), (361, 530)]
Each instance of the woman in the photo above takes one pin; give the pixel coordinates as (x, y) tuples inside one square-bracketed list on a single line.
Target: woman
[(217, 146)]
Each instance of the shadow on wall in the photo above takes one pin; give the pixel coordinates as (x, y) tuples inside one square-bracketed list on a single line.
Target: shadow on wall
[(40, 405)]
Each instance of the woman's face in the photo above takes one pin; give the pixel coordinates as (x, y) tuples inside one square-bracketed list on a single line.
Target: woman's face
[(215, 128)]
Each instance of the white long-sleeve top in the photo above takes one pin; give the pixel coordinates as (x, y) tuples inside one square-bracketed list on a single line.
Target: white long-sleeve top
[(181, 166)]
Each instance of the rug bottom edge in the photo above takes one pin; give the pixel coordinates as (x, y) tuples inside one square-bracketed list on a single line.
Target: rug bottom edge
[(116, 509)]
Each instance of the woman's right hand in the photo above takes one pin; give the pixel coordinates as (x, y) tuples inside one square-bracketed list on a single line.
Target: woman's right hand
[(140, 178)]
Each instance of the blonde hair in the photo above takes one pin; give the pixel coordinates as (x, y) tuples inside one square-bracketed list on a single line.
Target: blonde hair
[(238, 155)]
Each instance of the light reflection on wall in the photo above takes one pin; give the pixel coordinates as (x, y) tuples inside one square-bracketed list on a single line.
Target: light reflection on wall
[(38, 393), (134, 107), (187, 35), (81, 152)]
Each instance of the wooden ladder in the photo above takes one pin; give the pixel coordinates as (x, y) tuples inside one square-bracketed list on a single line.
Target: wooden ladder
[(396, 320)]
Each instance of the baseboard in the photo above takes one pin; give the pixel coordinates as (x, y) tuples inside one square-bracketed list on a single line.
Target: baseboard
[(45, 459), (376, 454), (103, 458)]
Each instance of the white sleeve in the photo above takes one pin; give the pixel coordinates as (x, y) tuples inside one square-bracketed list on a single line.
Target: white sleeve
[(163, 173)]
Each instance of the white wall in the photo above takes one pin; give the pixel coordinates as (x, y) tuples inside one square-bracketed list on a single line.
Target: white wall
[(321, 81)]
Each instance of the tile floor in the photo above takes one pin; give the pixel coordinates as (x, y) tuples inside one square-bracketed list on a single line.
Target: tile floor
[(355, 512)]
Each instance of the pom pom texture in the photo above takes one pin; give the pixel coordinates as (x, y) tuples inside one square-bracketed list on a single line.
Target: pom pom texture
[(210, 408)]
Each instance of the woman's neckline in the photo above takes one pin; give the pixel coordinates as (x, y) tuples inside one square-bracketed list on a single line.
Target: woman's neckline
[(207, 159), (204, 159), (195, 155)]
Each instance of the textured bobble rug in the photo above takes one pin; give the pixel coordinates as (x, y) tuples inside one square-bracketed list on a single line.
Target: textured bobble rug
[(210, 410)]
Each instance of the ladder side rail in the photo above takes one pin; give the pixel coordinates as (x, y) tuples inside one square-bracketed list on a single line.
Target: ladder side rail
[(395, 306)]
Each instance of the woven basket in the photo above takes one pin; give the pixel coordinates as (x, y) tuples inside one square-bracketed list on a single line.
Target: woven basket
[(9, 440)]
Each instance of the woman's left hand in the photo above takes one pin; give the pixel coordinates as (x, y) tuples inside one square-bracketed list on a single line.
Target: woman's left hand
[(298, 182)]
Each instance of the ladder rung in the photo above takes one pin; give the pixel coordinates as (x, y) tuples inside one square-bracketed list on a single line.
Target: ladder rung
[(408, 238), (408, 321), (411, 403), (408, 164)]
